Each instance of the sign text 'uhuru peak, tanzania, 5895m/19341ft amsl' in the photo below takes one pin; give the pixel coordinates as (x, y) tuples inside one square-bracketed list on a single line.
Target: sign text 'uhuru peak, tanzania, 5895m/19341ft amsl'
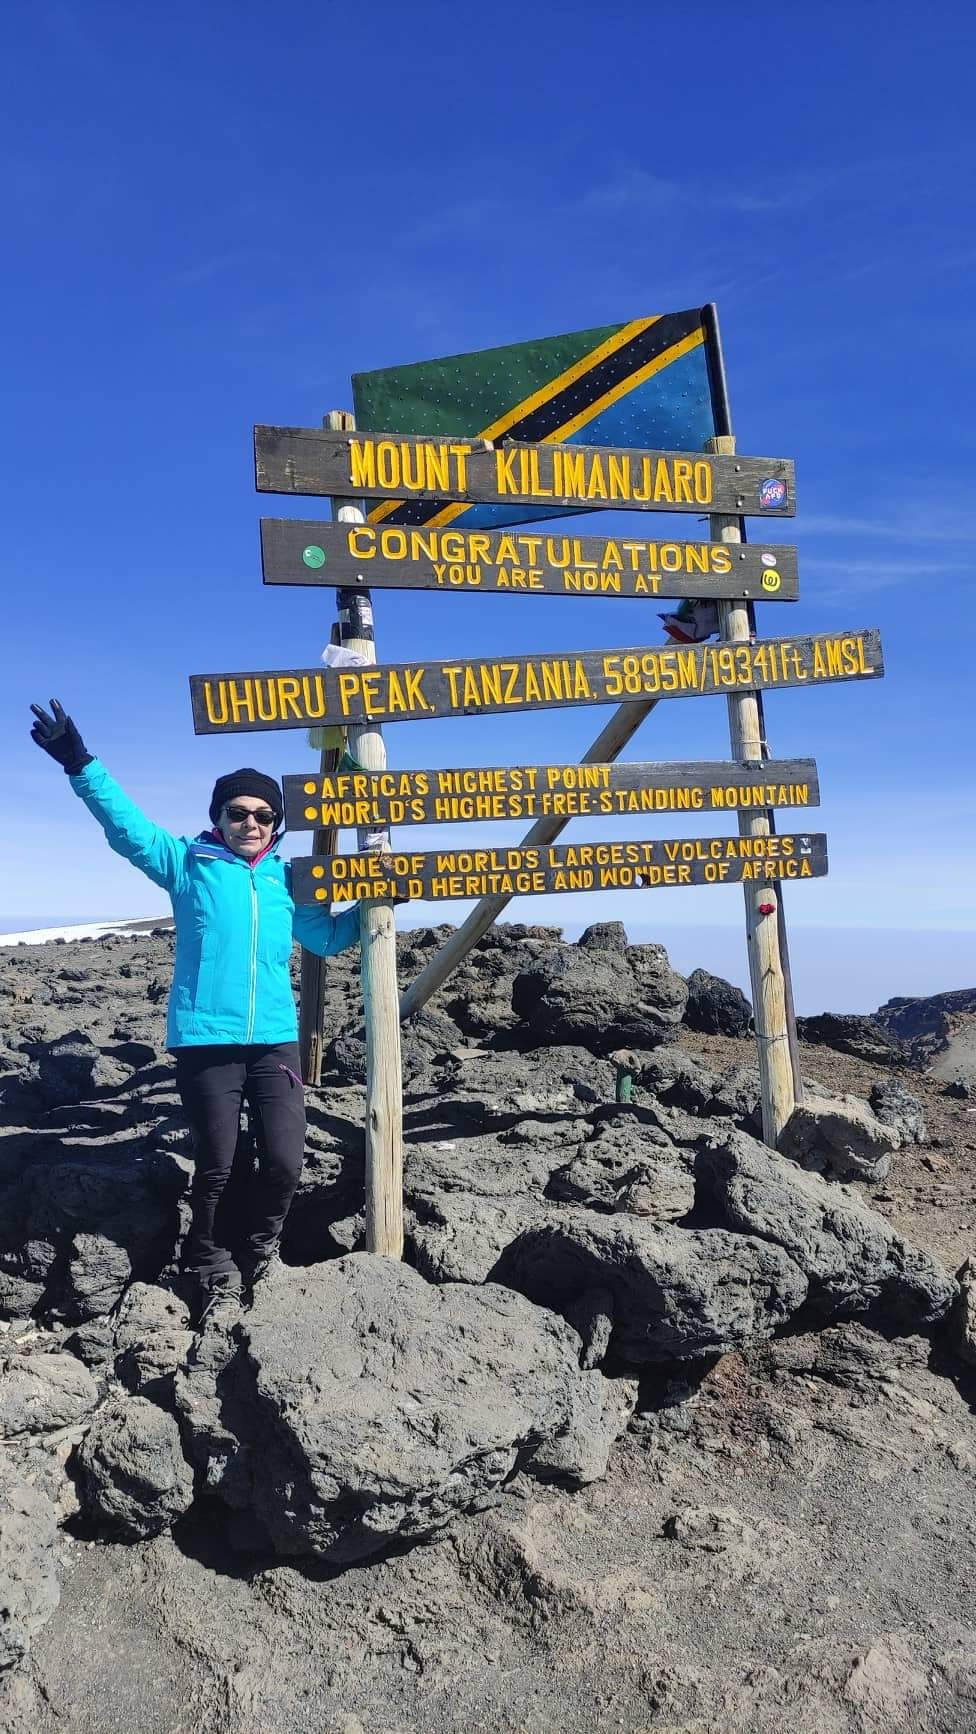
[(402, 692)]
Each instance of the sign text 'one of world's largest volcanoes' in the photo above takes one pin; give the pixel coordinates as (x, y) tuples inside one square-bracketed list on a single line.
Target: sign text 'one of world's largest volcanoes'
[(298, 460), (410, 691), (528, 870)]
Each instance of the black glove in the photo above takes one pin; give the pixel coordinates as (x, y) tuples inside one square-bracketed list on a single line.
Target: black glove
[(59, 737)]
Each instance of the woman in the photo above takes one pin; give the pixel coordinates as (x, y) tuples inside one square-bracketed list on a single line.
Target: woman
[(231, 1021)]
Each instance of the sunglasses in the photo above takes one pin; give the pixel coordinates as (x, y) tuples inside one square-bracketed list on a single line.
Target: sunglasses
[(263, 815)]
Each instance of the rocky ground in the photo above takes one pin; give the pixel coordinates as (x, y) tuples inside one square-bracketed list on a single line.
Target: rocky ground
[(653, 1429)]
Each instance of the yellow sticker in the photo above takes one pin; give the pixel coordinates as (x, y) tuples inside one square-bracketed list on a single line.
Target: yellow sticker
[(771, 580)]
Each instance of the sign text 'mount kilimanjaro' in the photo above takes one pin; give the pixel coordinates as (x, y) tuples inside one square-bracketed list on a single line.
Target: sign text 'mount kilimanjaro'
[(401, 692), (515, 562), (529, 870), (374, 799), (295, 460)]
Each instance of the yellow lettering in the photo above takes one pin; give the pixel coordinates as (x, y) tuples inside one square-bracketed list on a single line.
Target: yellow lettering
[(362, 455), (682, 480), (619, 468), (218, 718), (573, 474), (505, 481), (413, 466), (387, 464), (535, 481), (437, 471), (313, 695), (356, 534), (242, 703), (703, 482), (460, 454), (596, 487), (348, 691), (288, 696)]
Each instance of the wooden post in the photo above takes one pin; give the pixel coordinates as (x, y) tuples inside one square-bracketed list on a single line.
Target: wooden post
[(609, 744), (311, 997), (311, 1003), (762, 938), (377, 940)]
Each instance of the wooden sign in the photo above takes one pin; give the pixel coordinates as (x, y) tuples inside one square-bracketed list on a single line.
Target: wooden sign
[(514, 563), (300, 460), (344, 799), (526, 870), (408, 691)]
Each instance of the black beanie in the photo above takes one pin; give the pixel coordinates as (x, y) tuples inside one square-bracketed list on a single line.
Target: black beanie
[(246, 782)]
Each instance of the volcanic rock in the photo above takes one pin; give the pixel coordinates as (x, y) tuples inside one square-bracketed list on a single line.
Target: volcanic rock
[(849, 1033), (132, 1476), (68, 1070), (42, 1392), (839, 1136), (80, 1217), (679, 1294), (964, 1313), (716, 1006), (894, 1106), (627, 1166), (499, 1088), (370, 1407), (29, 1587), (152, 1339), (602, 999), (925, 1026), (851, 1259)]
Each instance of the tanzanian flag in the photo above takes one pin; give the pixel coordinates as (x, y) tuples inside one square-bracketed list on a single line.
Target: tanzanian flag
[(642, 384)]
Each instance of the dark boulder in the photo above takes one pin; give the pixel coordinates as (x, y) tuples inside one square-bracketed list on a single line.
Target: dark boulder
[(678, 1293), (895, 1106), (853, 1261), (602, 999), (716, 1006), (370, 1408), (864, 1038), (29, 1584), (133, 1479)]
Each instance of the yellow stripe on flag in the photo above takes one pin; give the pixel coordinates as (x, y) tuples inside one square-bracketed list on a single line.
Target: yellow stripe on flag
[(447, 514), (545, 393)]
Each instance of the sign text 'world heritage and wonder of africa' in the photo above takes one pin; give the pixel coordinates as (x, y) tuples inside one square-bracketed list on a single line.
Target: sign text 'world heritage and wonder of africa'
[(292, 460), (530, 870), (402, 692), (482, 562), (375, 799)]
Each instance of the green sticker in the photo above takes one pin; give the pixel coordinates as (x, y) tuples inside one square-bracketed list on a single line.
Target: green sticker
[(313, 555)]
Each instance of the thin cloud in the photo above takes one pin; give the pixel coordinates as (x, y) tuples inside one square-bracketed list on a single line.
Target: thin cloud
[(891, 525)]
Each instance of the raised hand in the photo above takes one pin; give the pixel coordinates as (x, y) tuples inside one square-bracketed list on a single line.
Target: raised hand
[(58, 736)]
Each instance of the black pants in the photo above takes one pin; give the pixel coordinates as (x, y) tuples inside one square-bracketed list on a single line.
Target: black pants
[(214, 1082)]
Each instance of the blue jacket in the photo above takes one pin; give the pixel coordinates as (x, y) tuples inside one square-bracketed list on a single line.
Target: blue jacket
[(235, 924)]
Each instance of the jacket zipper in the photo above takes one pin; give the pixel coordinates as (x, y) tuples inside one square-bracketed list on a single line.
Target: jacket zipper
[(253, 994)]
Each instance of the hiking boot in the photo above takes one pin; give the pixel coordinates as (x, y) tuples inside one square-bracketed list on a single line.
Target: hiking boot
[(219, 1299), (261, 1270)]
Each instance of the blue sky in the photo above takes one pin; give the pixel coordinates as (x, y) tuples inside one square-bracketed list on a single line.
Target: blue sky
[(215, 214)]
